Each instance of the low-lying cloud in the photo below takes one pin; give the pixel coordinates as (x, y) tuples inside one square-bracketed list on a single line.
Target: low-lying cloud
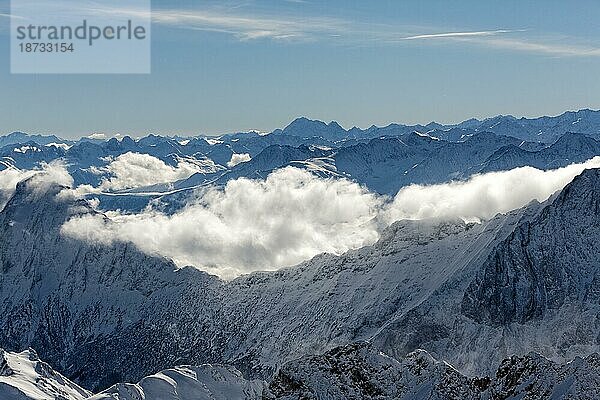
[(293, 215), (483, 196), (249, 225), (40, 179), (132, 170), (238, 159)]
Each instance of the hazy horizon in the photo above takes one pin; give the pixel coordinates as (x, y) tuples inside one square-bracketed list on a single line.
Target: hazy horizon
[(227, 66), (109, 135)]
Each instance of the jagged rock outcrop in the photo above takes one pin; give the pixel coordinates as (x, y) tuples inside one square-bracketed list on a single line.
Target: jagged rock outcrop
[(545, 263), (359, 371)]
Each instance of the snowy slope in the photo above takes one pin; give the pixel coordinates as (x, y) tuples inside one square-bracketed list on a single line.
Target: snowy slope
[(569, 148), (354, 371), (106, 313), (206, 382), (536, 291), (51, 286), (70, 299), (384, 164), (24, 377)]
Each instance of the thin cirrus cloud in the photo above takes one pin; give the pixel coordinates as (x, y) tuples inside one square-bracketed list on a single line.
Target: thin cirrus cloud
[(249, 28), (242, 26), (294, 27), (449, 35), (554, 49), (499, 40)]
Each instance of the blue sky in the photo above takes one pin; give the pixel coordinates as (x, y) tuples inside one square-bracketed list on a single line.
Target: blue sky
[(233, 65)]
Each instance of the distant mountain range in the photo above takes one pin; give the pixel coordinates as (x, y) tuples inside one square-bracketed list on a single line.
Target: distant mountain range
[(541, 129), (383, 159)]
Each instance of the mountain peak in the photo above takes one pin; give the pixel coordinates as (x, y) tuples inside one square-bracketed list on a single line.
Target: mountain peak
[(530, 273), (582, 193), (303, 123), (24, 376), (304, 127), (43, 197), (574, 141)]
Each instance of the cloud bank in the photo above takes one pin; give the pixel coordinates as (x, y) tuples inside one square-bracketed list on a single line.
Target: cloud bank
[(132, 170), (482, 196), (249, 225), (293, 215)]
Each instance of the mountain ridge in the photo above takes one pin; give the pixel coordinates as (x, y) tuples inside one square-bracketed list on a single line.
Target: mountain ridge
[(551, 127), (354, 371)]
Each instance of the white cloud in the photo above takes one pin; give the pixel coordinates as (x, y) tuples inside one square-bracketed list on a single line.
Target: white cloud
[(249, 225), (11, 16), (132, 170), (50, 174), (568, 49), (482, 196), (294, 27), (497, 39), (447, 35), (42, 178), (243, 26), (238, 159), (293, 215), (8, 182), (98, 136)]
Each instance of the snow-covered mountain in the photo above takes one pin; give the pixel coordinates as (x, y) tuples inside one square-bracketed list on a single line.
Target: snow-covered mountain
[(470, 294), (205, 382), (356, 371), (43, 140), (69, 299), (536, 291), (23, 376), (303, 131), (387, 164), (384, 159), (541, 129), (569, 148), (545, 129), (359, 371)]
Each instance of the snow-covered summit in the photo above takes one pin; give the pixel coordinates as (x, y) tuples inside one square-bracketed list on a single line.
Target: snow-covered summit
[(23, 376)]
